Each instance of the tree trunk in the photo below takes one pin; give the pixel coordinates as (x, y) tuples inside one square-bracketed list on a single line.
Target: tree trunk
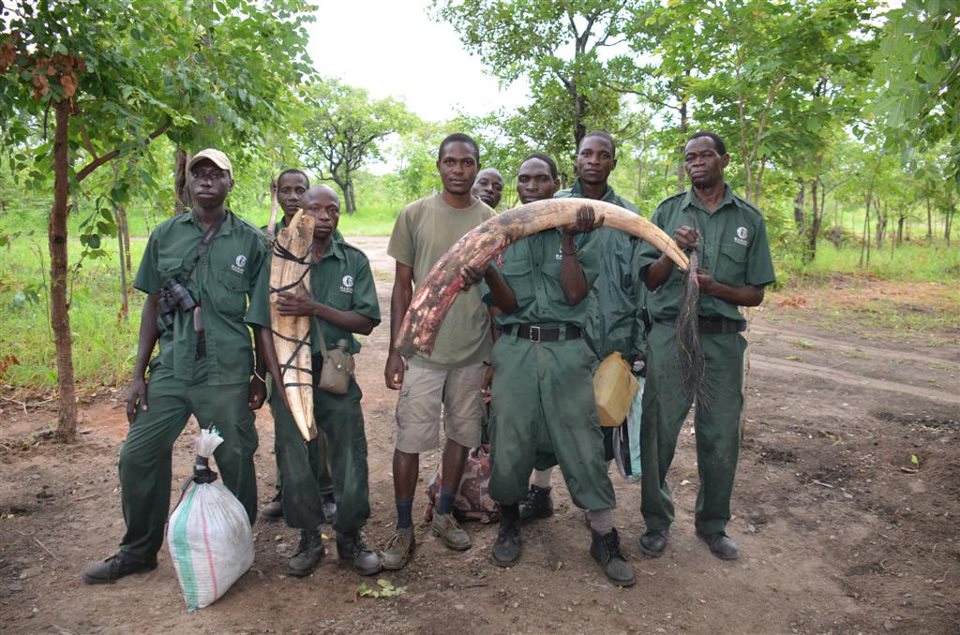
[(815, 221), (901, 219), (948, 218), (684, 125), (59, 309), (865, 243), (123, 244), (349, 194), (929, 222), (881, 224), (799, 216), (182, 192)]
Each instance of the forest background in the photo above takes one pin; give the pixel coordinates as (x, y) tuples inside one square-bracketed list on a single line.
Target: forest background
[(842, 119)]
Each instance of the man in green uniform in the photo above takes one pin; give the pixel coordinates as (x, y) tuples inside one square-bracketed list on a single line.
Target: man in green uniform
[(734, 258), (615, 303), (197, 272), (542, 390), (291, 185), (343, 298), (451, 378), (488, 187)]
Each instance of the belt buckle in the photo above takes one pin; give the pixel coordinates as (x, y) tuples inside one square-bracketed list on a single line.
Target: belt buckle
[(534, 333)]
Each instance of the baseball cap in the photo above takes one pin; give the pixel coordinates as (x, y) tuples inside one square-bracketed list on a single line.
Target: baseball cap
[(218, 158)]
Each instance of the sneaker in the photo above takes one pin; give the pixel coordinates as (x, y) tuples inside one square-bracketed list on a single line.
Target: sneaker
[(605, 550), (309, 554), (537, 504), (399, 549), (653, 542), (116, 567), (445, 526), (274, 509), (506, 549), (329, 507), (351, 547), (721, 545)]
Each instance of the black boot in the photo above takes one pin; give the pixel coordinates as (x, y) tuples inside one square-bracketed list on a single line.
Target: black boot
[(116, 567), (352, 548), (537, 504), (309, 553), (506, 549), (274, 509), (605, 550)]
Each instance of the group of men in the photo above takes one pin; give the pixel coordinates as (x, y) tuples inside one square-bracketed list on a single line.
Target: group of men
[(530, 327)]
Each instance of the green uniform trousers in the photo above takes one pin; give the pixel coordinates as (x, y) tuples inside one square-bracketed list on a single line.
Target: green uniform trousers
[(717, 429), (324, 480), (543, 404), (340, 418), (146, 455)]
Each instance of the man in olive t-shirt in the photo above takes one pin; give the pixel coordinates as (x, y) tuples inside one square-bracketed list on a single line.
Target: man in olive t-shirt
[(452, 376)]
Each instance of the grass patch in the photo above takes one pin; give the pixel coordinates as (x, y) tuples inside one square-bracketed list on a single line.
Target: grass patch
[(910, 261), (104, 343)]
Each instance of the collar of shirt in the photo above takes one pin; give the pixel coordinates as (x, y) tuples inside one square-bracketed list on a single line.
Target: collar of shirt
[(692, 200), (609, 195), (192, 218), (334, 250)]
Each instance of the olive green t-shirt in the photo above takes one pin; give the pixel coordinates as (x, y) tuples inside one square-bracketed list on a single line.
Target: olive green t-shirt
[(733, 248), (424, 231), (341, 280), (220, 282), (532, 266)]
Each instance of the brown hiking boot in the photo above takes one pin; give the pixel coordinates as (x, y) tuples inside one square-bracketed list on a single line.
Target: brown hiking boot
[(446, 528), (398, 550)]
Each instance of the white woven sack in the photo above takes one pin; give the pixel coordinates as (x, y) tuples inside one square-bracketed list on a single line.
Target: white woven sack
[(209, 536)]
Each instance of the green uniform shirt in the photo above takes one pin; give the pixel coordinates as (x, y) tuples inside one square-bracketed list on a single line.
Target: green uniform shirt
[(424, 231), (220, 282), (341, 280), (733, 248), (531, 266), (614, 303)]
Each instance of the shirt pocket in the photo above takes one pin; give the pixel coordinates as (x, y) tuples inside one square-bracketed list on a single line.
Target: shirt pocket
[(519, 275), (732, 265), (230, 296), (169, 268)]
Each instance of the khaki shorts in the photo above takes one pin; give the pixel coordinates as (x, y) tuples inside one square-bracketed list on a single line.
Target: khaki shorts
[(423, 392)]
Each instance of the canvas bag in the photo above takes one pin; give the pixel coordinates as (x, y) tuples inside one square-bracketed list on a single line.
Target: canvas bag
[(473, 500), (338, 366), (208, 534)]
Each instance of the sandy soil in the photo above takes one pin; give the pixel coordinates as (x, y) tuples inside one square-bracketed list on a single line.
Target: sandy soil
[(841, 530)]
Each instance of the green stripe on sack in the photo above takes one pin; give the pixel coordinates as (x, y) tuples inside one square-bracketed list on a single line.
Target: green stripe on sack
[(188, 578)]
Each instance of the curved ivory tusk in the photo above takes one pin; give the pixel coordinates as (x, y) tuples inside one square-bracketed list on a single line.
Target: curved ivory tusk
[(439, 289)]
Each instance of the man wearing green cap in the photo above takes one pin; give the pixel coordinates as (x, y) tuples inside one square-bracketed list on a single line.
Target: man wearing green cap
[(197, 272)]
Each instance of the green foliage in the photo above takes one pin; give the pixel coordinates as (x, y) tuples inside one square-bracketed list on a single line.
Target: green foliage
[(561, 48), (383, 590), (344, 130), (918, 71)]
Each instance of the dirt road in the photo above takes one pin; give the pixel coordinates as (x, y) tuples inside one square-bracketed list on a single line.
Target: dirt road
[(846, 511)]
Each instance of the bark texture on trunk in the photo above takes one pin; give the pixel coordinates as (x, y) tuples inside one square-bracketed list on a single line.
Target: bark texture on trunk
[(437, 292), (59, 309)]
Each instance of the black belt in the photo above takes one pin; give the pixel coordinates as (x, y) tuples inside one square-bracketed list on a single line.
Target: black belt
[(712, 326), (536, 333)]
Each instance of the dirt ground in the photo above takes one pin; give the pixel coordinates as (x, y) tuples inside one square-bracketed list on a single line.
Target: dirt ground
[(846, 508)]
